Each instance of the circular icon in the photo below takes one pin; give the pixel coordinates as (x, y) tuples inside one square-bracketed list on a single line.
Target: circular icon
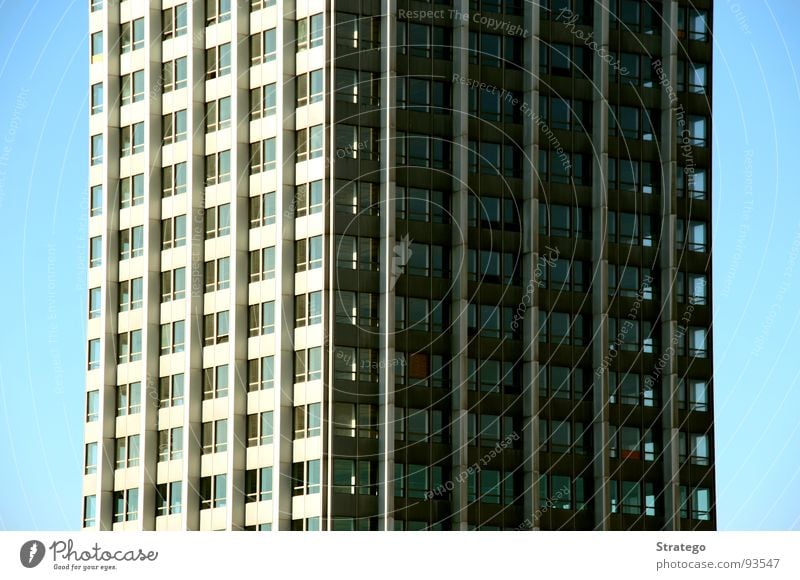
[(31, 553)]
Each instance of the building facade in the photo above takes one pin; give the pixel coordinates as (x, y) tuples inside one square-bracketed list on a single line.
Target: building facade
[(362, 265)]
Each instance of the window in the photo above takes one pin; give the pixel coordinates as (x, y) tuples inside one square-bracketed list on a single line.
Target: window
[(256, 5), (215, 436), (218, 221), (262, 318), (130, 294), (129, 346), (562, 382), (217, 274), (263, 101), (354, 196), (262, 210), (170, 391), (218, 115), (691, 286), (310, 143), (306, 477), (308, 365), (308, 309), (559, 274), (261, 373), (92, 406), (173, 180), (213, 491), (344, 420), (694, 180), (349, 475), (310, 32), (217, 11), (132, 87), (692, 24), (168, 498), (173, 232), (417, 481), (95, 252), (174, 21), (632, 229), (132, 35), (89, 511), (627, 388), (93, 354), (173, 127), (95, 298), (132, 138), (90, 465), (308, 254), (698, 346), (126, 505), (634, 175), (357, 87), (631, 335), (95, 6), (96, 148), (354, 142), (96, 200), (630, 282), (173, 285), (695, 504), (635, 16), (694, 447), (96, 47), (215, 328), (417, 150), (697, 393), (692, 235), (308, 421), (173, 336), (215, 382), (309, 88), (262, 156), (96, 103), (634, 123), (626, 497), (126, 452), (354, 31), (627, 443), (308, 198), (259, 429), (218, 167), (633, 69), (698, 132), (263, 47), (262, 264), (218, 61), (564, 221), (258, 484), (129, 399), (564, 328), (174, 75), (131, 190), (557, 60)]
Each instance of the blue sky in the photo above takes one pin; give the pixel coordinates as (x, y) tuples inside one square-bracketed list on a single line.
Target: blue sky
[(756, 236)]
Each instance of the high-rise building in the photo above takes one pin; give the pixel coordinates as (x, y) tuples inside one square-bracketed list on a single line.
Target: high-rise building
[(399, 265)]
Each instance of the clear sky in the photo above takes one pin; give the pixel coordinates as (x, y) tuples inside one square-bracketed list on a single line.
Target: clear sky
[(756, 237)]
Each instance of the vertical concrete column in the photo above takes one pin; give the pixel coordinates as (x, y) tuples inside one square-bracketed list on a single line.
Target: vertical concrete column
[(667, 273), (386, 398), (601, 465), (458, 259)]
